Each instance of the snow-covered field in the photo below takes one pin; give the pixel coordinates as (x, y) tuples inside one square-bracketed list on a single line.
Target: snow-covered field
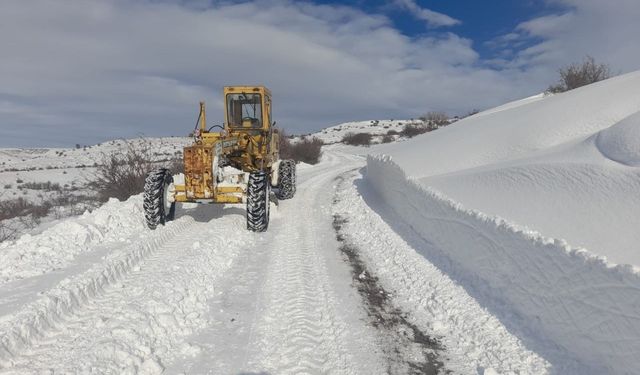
[(377, 128), (334, 134), (70, 167)]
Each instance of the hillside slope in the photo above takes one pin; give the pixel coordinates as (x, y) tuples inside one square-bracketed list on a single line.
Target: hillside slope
[(564, 165)]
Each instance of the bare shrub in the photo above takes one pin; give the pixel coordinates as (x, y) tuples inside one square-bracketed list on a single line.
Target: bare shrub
[(387, 138), (580, 74), (392, 132), (14, 207), (122, 173), (46, 186), (435, 118), (411, 130), (307, 150), (357, 139), (284, 145)]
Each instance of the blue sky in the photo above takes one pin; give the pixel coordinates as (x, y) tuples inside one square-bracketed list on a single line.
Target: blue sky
[(480, 21), (89, 71)]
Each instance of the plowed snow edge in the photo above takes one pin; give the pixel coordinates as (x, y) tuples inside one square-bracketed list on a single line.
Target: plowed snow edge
[(60, 302), (575, 308)]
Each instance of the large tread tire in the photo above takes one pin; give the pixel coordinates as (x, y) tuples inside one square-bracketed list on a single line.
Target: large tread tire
[(258, 189), (286, 179), (157, 210)]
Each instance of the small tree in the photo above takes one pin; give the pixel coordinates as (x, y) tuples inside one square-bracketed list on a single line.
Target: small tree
[(580, 74)]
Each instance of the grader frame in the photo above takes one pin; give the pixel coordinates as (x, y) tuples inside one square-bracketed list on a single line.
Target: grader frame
[(247, 142)]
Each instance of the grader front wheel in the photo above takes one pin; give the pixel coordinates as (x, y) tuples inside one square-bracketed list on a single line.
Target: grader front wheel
[(158, 207), (258, 189)]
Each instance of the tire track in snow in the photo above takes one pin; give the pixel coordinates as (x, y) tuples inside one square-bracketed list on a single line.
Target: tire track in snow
[(476, 342), (301, 332), (408, 350)]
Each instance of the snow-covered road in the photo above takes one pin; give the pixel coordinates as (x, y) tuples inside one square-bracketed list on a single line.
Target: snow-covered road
[(330, 288)]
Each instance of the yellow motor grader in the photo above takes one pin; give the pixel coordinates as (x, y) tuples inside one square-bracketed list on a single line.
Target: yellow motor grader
[(239, 163)]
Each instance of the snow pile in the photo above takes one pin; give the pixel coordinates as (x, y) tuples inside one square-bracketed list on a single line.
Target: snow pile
[(473, 338), (148, 309), (621, 142), (564, 165), (517, 131), (491, 191), (58, 245), (571, 306)]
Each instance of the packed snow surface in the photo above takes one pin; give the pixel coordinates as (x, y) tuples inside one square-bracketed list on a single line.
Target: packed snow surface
[(101, 293), (565, 165)]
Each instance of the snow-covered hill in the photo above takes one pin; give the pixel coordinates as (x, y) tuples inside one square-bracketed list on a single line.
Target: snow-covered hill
[(377, 128), (507, 199), (564, 165), (72, 167)]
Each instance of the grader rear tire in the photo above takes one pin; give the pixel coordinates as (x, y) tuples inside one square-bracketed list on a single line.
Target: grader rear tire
[(286, 179), (157, 207), (258, 189)]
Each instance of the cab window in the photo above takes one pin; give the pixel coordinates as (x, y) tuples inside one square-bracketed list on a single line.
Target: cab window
[(244, 110)]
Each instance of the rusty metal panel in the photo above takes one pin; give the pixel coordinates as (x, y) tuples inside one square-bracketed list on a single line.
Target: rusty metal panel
[(198, 162)]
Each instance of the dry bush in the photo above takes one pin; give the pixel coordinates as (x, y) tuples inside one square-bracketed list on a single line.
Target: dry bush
[(387, 138), (435, 118), (392, 132), (14, 207), (580, 74), (306, 150), (284, 145), (357, 139), (411, 130), (46, 186), (122, 173)]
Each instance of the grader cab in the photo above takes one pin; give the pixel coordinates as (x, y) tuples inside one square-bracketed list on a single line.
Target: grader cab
[(239, 163)]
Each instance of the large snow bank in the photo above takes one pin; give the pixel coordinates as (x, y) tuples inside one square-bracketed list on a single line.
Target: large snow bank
[(621, 142), (570, 303), (565, 165), (518, 130)]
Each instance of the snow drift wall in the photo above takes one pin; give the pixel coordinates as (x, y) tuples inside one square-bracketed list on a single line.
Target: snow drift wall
[(566, 300)]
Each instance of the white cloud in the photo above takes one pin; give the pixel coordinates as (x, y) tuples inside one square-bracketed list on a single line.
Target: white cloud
[(603, 29), (433, 19), (85, 71)]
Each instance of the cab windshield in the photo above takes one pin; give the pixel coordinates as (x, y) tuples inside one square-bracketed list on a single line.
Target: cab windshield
[(244, 110)]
